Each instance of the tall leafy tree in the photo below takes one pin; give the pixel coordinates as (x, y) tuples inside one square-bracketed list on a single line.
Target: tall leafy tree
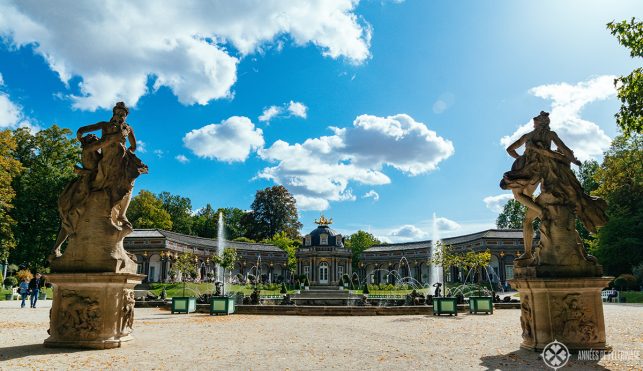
[(9, 169), (586, 176), (204, 222), (630, 88), (619, 244), (512, 215), (284, 242), (232, 222), (146, 211), (180, 210), (358, 242), (48, 158), (274, 210)]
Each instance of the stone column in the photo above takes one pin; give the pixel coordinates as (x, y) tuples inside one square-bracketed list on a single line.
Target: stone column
[(569, 310), (91, 310)]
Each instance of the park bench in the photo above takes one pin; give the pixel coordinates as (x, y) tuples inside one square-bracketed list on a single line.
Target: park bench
[(609, 295)]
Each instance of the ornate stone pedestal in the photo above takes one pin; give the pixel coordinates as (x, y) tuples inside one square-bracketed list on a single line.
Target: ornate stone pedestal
[(569, 310), (92, 310)]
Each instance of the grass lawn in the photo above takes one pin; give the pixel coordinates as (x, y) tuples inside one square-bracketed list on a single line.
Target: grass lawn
[(632, 296), (196, 289), (47, 290)]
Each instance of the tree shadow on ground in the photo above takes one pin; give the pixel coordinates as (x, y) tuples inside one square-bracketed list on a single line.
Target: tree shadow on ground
[(523, 359), (21, 351)]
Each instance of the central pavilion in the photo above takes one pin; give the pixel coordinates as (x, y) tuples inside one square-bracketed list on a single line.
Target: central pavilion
[(322, 257)]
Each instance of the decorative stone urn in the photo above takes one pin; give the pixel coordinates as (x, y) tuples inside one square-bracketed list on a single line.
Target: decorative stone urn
[(559, 283), (93, 279)]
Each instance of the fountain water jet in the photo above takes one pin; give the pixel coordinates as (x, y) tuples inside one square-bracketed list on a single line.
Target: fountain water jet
[(435, 274), (219, 275)]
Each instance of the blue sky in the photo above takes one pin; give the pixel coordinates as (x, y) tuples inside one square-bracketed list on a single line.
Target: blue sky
[(381, 113)]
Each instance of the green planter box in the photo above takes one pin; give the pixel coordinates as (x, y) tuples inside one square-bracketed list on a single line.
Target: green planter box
[(445, 306), (221, 305), (481, 304), (42, 296), (183, 304), (8, 296)]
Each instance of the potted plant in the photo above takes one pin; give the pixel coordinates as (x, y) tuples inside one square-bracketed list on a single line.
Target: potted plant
[(446, 257), (475, 261), (187, 266)]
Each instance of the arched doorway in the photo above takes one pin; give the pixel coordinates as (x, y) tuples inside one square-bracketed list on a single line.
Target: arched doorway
[(323, 273)]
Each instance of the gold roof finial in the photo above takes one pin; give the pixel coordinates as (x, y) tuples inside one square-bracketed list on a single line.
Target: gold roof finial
[(323, 221)]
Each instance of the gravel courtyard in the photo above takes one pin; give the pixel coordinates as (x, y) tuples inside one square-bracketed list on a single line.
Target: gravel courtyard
[(198, 341)]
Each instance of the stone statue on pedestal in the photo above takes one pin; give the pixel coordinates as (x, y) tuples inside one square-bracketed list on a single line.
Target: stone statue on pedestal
[(559, 283), (93, 278)]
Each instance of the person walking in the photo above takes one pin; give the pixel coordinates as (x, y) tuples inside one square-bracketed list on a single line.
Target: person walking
[(23, 290), (35, 285)]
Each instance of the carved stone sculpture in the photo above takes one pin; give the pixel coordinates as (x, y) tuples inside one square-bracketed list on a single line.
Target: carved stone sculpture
[(93, 304), (560, 251), (93, 207), (558, 265)]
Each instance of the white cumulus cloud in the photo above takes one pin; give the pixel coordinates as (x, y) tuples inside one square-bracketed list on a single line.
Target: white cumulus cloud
[(297, 109), (445, 225), (372, 194), (192, 47), (408, 232), (232, 140), (269, 113), (321, 169), (496, 203), (584, 137), (182, 159)]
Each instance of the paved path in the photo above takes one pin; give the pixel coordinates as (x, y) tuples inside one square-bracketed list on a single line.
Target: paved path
[(187, 342)]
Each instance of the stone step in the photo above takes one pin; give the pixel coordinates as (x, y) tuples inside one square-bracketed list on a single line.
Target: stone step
[(325, 288)]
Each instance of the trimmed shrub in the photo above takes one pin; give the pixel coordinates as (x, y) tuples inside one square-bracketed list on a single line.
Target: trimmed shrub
[(365, 290), (638, 273), (625, 282), (10, 282), (283, 288)]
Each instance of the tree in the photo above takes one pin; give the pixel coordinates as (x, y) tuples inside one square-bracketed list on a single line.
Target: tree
[(48, 158), (358, 242), (512, 215), (619, 244), (630, 87), (180, 210), (146, 211), (9, 169), (232, 222), (476, 260), (227, 260), (204, 223), (187, 265), (445, 256), (274, 210), (284, 242), (586, 176)]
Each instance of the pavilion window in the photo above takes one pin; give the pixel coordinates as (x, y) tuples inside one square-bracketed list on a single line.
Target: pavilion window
[(323, 239)]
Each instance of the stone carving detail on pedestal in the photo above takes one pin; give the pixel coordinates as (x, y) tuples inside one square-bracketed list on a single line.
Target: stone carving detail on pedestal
[(128, 311), (526, 320), (93, 278), (80, 317), (559, 283), (573, 320)]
